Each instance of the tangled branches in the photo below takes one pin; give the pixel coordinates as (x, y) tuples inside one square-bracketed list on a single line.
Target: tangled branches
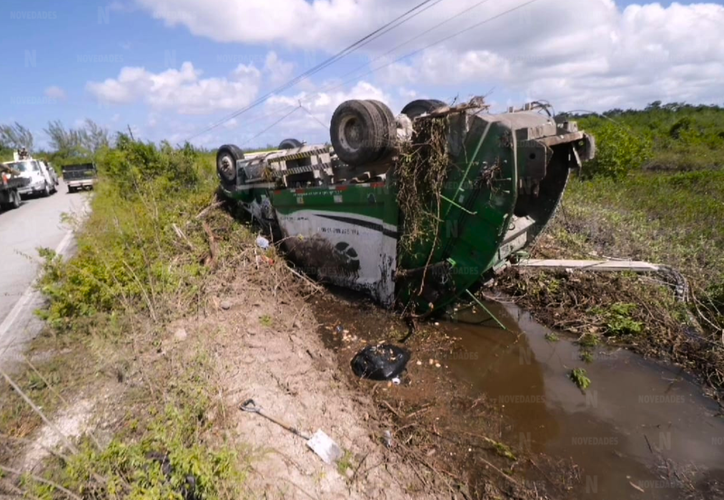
[(421, 171)]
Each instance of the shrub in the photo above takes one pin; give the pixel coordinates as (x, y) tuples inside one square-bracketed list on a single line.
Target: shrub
[(140, 242), (619, 151)]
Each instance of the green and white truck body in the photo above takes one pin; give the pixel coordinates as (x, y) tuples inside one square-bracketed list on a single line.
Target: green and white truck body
[(504, 177)]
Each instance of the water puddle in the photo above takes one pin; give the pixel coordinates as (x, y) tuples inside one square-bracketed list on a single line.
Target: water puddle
[(642, 430)]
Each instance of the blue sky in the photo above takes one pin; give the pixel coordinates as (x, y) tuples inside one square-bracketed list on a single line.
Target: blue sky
[(170, 68)]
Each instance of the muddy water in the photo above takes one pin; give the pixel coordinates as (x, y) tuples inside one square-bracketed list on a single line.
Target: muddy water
[(642, 430)]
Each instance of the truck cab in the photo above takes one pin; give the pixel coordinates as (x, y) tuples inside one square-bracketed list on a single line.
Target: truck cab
[(39, 179)]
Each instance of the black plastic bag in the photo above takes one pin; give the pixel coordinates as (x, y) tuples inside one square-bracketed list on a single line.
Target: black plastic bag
[(380, 362)]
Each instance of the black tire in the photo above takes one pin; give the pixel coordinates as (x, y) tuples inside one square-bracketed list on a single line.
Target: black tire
[(14, 201), (226, 158), (71, 189), (358, 132), (46, 191), (390, 127), (290, 144), (421, 106)]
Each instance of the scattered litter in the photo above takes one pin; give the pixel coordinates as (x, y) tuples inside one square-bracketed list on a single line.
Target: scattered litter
[(262, 242), (387, 436), (636, 487), (437, 365), (180, 334), (380, 362), (396, 381), (225, 305), (432, 361), (419, 363)]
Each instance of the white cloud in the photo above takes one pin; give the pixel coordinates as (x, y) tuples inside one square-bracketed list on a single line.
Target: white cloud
[(182, 91), (293, 22), (572, 52), (312, 122), (55, 93), (278, 70)]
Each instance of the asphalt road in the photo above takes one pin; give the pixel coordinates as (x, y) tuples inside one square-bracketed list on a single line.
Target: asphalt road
[(36, 224)]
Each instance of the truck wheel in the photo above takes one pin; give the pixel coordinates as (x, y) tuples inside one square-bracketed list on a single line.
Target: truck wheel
[(46, 191), (421, 106), (358, 132), (390, 128), (226, 159), (14, 199), (290, 144)]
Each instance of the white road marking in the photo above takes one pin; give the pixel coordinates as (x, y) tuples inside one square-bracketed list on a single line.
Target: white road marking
[(30, 295)]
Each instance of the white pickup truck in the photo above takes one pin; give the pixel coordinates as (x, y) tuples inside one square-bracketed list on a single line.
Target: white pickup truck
[(37, 172)]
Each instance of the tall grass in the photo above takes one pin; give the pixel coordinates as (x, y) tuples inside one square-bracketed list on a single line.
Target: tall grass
[(144, 258)]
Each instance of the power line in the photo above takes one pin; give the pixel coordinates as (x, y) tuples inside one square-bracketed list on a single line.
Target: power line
[(442, 40), (272, 125), (420, 35), (324, 64), (417, 51)]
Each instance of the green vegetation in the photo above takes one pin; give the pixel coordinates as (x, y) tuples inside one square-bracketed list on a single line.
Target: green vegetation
[(586, 356), (655, 193), (163, 457), (662, 137), (579, 377), (665, 205), (129, 254), (68, 145), (345, 463), (145, 256), (551, 337)]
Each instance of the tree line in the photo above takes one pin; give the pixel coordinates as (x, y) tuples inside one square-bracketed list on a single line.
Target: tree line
[(65, 143)]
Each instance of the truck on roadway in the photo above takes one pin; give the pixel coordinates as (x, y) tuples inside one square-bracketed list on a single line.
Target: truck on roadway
[(81, 176), (10, 187)]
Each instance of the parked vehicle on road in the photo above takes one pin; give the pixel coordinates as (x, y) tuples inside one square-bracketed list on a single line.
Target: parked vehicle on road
[(82, 176), (10, 184), (37, 173), (413, 209), (53, 173)]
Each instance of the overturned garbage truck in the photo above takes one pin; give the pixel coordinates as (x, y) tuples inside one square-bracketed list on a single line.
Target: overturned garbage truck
[(412, 209)]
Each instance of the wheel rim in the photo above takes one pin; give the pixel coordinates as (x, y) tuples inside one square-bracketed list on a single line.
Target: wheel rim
[(226, 165), (352, 136)]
